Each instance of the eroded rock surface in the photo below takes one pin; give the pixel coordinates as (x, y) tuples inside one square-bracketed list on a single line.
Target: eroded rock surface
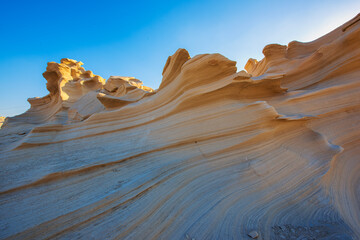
[(214, 153), (2, 119)]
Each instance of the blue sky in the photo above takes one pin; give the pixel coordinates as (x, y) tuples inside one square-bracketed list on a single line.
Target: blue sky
[(134, 38)]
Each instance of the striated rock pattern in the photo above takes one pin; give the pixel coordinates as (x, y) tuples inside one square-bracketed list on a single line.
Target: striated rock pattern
[(266, 153)]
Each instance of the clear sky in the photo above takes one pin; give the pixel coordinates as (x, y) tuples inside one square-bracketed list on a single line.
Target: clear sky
[(134, 38)]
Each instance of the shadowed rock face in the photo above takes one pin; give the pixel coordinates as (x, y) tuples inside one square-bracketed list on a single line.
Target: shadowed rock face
[(271, 153)]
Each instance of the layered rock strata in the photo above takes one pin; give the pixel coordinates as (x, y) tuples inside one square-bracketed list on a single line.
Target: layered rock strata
[(214, 153)]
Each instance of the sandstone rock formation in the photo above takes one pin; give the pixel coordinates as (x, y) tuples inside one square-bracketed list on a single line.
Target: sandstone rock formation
[(212, 154), (2, 119)]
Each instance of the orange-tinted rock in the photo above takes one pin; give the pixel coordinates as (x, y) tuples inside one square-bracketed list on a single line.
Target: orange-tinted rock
[(214, 153)]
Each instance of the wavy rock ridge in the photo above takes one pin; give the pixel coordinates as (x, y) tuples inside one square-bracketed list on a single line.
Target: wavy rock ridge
[(212, 154)]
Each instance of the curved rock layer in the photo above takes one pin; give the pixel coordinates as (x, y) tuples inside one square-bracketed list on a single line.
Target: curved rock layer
[(212, 154)]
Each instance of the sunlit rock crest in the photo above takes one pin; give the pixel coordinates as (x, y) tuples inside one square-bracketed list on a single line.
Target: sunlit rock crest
[(214, 153)]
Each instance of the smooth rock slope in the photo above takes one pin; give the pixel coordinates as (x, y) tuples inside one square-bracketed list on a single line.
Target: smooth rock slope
[(214, 153)]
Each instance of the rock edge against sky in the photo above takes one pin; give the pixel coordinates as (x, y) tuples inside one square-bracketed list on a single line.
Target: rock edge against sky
[(214, 153)]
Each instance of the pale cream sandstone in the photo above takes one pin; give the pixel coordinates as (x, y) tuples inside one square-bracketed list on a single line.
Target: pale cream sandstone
[(214, 153)]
